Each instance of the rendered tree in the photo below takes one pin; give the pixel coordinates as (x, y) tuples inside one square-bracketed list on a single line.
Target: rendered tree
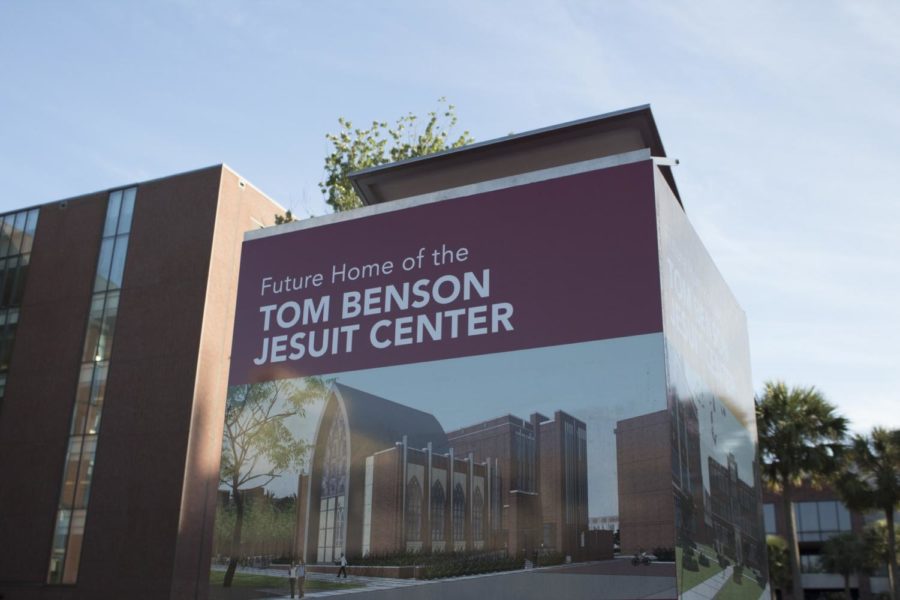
[(848, 554), (800, 441), (355, 149), (257, 445), (872, 482)]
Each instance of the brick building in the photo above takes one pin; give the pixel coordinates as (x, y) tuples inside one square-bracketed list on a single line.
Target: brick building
[(644, 457), (820, 514), (386, 477), (116, 327), (723, 515)]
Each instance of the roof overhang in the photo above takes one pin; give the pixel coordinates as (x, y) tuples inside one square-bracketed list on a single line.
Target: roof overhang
[(576, 141)]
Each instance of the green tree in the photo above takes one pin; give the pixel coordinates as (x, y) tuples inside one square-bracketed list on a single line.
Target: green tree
[(257, 445), (287, 217), (779, 563), (848, 554), (354, 149), (800, 441), (871, 481)]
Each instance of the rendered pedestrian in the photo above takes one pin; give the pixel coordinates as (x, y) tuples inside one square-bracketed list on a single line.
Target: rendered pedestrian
[(301, 578), (292, 578)]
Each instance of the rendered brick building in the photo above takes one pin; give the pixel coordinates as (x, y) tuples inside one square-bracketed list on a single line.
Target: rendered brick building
[(386, 478)]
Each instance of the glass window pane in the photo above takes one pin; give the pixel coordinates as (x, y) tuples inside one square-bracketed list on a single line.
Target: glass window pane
[(5, 234), (9, 282), (70, 473), (18, 290), (810, 563), (15, 243), (85, 471), (7, 340), (103, 264), (112, 213), (807, 516), (58, 551), (30, 228), (127, 210), (828, 516), (73, 551), (843, 517), (82, 399), (107, 327), (4, 273), (118, 262), (98, 390), (94, 330)]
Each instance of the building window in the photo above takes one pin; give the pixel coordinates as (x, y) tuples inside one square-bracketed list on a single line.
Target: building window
[(811, 563), (332, 507), (818, 521), (438, 502), (459, 513), (332, 515), (524, 461), (16, 240), (569, 458), (87, 410), (367, 505), (414, 510), (478, 516), (335, 464), (769, 517)]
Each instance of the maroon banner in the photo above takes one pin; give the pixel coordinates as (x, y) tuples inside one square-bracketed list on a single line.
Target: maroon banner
[(560, 261)]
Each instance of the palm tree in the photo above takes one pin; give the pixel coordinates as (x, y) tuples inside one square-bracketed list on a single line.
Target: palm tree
[(847, 554), (800, 441), (872, 482)]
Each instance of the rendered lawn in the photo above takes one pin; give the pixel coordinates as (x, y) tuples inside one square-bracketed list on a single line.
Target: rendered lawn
[(688, 579)]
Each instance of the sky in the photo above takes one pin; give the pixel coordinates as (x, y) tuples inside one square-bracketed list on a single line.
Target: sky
[(784, 116)]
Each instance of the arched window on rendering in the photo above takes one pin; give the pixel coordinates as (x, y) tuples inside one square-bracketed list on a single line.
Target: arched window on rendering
[(459, 515), (438, 502), (413, 511), (478, 516), (332, 509)]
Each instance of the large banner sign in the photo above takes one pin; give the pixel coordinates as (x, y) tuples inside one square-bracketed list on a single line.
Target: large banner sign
[(555, 262), (475, 385)]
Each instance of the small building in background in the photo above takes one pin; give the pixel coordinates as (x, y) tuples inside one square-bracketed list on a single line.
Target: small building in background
[(821, 514)]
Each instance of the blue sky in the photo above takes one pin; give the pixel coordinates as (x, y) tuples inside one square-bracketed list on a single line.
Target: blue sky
[(784, 115)]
